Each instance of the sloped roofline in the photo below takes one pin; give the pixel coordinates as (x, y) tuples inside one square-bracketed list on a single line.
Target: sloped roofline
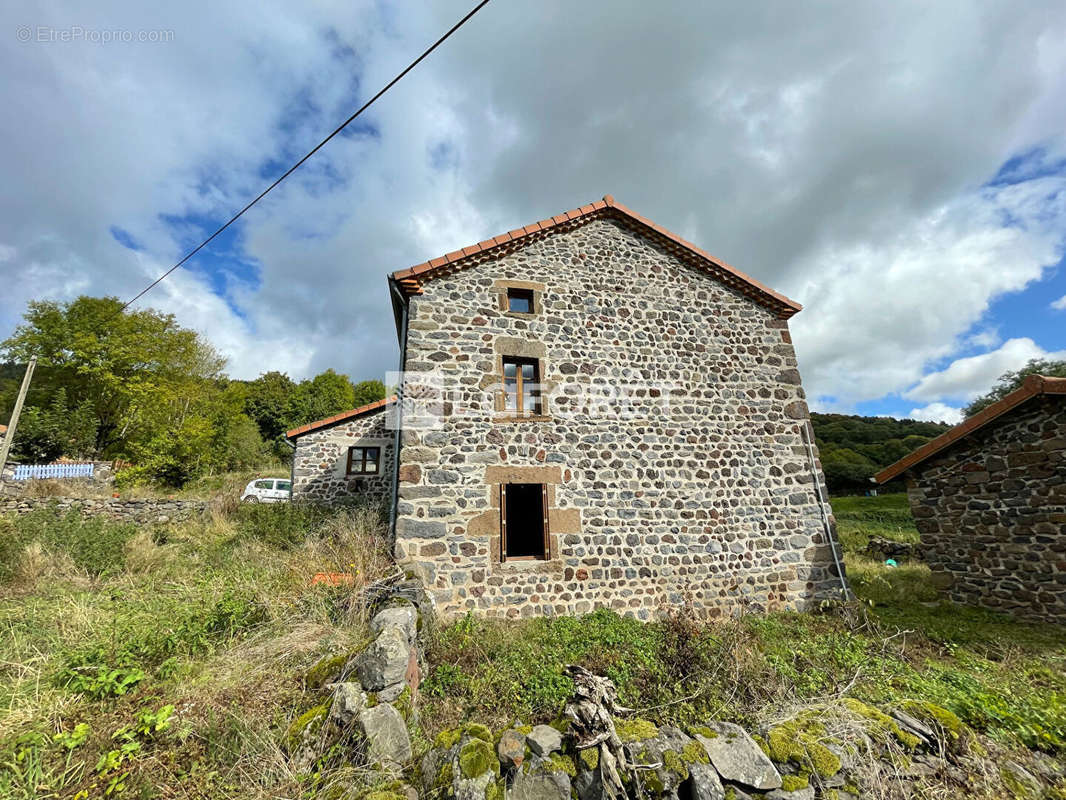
[(1032, 386), (377, 405), (410, 280)]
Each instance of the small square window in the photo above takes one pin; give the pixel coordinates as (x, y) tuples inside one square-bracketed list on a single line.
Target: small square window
[(363, 460), (520, 300)]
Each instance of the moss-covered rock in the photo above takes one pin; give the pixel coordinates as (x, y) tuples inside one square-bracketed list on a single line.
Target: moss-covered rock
[(881, 726), (635, 730), (800, 741), (557, 762), (938, 717), (476, 730), (476, 757), (793, 783), (327, 670), (448, 738), (693, 753), (304, 727), (589, 757)]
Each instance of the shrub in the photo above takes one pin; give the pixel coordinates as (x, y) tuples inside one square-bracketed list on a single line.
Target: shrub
[(281, 525)]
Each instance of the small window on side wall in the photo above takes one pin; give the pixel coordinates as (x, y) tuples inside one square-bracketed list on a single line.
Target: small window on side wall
[(363, 460), (524, 521), (520, 300)]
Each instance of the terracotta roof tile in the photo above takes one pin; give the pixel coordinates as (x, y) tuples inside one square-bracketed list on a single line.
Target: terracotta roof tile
[(1033, 386), (377, 405), (731, 276)]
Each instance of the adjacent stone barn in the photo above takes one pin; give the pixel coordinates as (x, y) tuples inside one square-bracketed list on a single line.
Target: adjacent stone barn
[(344, 457), (621, 423), (989, 499)]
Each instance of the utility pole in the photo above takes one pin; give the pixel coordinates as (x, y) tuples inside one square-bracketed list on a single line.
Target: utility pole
[(14, 421)]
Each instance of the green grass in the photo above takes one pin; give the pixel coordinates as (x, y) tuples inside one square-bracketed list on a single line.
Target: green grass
[(104, 626), (215, 617), (860, 519), (1003, 677)]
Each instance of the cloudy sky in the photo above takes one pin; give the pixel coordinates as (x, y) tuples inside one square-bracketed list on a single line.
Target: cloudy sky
[(899, 168)]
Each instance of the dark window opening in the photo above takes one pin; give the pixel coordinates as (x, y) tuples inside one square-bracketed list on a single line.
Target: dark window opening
[(524, 518), (521, 385), (363, 460), (520, 300)]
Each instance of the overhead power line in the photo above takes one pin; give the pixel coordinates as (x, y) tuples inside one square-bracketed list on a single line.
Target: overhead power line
[(316, 148)]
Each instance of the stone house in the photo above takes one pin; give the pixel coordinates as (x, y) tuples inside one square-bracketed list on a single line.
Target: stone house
[(346, 456), (595, 412), (989, 500)]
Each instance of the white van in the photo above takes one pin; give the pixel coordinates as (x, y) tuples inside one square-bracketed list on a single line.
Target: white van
[(267, 490)]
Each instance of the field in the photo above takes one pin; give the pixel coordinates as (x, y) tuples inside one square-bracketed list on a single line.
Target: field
[(169, 661)]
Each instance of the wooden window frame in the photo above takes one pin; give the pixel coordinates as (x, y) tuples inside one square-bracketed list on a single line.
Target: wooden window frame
[(546, 551), (538, 400), (525, 294), (361, 463)]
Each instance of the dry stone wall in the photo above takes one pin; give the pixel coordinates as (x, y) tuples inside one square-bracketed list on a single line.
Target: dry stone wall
[(321, 461), (700, 488), (991, 512), (114, 508)]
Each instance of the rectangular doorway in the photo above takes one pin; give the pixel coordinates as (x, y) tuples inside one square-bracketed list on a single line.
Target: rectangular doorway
[(524, 521)]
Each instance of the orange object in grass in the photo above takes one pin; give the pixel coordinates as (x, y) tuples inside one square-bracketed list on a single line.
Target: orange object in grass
[(333, 578)]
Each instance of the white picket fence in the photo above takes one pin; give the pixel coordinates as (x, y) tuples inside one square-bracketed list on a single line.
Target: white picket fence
[(25, 472)]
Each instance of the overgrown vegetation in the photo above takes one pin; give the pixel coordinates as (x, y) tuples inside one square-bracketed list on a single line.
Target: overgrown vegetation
[(174, 660), (167, 660), (1004, 678)]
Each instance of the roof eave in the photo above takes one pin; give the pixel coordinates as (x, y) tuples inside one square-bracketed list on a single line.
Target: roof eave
[(783, 306), (1033, 386), (336, 419)]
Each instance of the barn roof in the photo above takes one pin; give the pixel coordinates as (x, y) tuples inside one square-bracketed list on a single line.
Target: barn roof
[(1033, 386), (411, 279), (369, 408)]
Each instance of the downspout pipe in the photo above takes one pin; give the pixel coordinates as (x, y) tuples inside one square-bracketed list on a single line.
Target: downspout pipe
[(292, 466), (400, 307), (822, 502)]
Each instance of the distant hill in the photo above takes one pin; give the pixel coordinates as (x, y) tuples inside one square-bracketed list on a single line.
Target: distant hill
[(854, 448)]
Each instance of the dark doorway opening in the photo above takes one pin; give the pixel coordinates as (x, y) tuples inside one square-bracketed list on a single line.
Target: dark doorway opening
[(525, 521)]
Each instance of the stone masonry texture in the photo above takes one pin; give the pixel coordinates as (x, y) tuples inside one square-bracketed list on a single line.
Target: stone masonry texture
[(111, 507), (701, 491), (321, 461), (991, 511)]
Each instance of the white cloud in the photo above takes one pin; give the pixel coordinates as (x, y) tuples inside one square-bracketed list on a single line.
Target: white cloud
[(967, 378), (1060, 304), (878, 316), (843, 166), (937, 412)]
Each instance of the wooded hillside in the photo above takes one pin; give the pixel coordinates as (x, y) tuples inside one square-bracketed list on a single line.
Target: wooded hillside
[(854, 448)]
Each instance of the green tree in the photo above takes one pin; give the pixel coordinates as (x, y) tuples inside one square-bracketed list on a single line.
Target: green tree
[(1011, 380), (326, 394), (268, 402), (367, 392), (60, 428), (126, 366)]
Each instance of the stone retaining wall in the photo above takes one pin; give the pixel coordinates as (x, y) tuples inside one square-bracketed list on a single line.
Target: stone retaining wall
[(113, 507)]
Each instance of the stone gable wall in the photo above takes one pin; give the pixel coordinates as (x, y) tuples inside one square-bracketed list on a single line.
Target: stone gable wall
[(710, 498), (991, 511), (321, 461)]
